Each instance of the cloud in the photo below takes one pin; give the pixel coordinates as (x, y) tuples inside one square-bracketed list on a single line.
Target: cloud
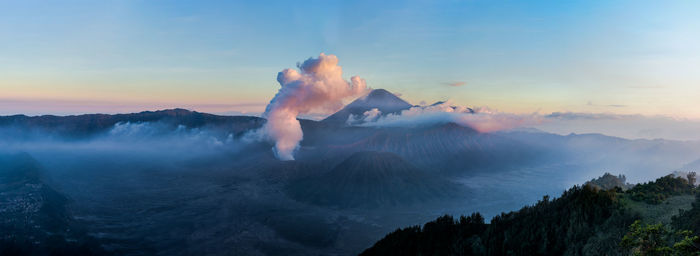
[(133, 138), (455, 83), (368, 116), (590, 103), (317, 86), (585, 116), (628, 126), (481, 119)]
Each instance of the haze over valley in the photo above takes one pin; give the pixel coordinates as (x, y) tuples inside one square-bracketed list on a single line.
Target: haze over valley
[(355, 127), (177, 181)]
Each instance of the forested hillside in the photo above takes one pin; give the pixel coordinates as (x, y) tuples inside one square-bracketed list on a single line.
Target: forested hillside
[(585, 220)]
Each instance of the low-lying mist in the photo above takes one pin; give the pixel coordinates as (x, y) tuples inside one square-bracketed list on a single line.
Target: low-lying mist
[(142, 187), (153, 140)]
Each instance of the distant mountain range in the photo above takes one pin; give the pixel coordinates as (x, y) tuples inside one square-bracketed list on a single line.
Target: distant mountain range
[(343, 175), (90, 124)]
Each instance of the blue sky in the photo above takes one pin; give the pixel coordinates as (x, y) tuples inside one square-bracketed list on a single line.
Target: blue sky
[(622, 57)]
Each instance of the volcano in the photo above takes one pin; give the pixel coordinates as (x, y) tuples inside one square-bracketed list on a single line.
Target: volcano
[(383, 100)]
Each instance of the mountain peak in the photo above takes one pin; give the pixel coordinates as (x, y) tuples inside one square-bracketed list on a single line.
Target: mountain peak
[(380, 93), (383, 100)]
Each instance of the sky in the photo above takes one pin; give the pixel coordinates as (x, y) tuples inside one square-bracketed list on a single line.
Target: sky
[(615, 57)]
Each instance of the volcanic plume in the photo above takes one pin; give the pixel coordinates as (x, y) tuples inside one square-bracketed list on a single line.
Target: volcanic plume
[(318, 85)]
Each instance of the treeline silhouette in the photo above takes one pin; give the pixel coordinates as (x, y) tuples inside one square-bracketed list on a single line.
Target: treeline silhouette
[(585, 220)]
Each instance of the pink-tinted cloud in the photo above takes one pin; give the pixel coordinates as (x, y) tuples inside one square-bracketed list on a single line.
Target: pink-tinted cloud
[(318, 86), (481, 119), (455, 84)]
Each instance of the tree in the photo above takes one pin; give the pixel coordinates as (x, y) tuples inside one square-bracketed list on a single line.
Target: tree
[(688, 246), (647, 240), (654, 240), (691, 178)]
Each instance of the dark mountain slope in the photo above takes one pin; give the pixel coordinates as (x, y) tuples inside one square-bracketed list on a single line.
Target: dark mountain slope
[(439, 148), (370, 179), (34, 218)]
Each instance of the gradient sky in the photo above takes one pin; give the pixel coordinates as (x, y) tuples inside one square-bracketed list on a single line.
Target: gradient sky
[(622, 57)]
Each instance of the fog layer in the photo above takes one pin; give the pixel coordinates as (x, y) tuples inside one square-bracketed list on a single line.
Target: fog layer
[(178, 182)]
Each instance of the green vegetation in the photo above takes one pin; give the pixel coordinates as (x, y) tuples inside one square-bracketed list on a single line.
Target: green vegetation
[(609, 181), (656, 239), (658, 191), (646, 240), (444, 236), (688, 245), (659, 213), (585, 220), (689, 219)]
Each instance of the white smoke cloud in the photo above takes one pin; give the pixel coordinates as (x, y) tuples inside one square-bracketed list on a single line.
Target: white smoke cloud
[(481, 119), (368, 116), (319, 86)]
